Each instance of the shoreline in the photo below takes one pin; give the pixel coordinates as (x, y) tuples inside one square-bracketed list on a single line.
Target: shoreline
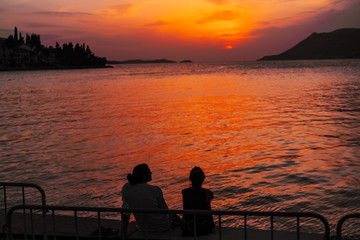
[(51, 68)]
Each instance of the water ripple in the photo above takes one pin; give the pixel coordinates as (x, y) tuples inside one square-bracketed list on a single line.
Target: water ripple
[(279, 136)]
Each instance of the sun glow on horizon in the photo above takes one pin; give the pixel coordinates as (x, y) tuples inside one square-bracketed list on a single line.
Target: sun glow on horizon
[(205, 20), (131, 26), (229, 46)]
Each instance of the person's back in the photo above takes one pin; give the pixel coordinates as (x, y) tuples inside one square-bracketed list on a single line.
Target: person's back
[(144, 195), (137, 193), (197, 198)]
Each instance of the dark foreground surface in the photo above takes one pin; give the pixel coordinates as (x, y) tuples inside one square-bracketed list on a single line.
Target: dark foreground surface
[(66, 227)]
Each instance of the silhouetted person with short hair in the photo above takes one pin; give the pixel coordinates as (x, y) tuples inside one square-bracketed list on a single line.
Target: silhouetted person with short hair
[(197, 198), (137, 193)]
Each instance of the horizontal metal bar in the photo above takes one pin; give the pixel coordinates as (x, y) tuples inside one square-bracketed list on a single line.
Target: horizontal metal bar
[(181, 212), (30, 185), (167, 211)]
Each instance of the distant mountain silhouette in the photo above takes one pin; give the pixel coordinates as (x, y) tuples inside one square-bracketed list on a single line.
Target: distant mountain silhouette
[(339, 44)]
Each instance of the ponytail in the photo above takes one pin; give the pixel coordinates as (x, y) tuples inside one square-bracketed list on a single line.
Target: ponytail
[(138, 174), (131, 179)]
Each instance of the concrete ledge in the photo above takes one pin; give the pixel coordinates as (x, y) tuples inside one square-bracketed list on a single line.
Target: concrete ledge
[(87, 228), (228, 234)]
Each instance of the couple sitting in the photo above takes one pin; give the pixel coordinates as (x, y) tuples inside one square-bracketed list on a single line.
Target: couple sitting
[(137, 193)]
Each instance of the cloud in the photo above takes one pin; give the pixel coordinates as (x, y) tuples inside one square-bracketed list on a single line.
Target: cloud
[(343, 2), (346, 18), (226, 15), (290, 20), (116, 10), (122, 8), (41, 25), (274, 40), (217, 1), (64, 14), (156, 24), (238, 35)]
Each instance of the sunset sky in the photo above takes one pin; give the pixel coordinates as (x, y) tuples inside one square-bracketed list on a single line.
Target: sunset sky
[(200, 30)]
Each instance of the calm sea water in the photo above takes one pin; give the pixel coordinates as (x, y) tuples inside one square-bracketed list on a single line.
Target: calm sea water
[(270, 136)]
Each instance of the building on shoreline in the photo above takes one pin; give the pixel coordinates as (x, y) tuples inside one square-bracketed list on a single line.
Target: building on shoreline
[(18, 53)]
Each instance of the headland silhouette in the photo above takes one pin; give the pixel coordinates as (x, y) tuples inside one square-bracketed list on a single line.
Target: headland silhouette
[(339, 44)]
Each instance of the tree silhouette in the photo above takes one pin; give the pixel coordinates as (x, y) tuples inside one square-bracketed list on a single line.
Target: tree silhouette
[(15, 33), (67, 55)]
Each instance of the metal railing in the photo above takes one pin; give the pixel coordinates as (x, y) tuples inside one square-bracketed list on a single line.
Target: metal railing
[(98, 210), (23, 186), (341, 222), (6, 185)]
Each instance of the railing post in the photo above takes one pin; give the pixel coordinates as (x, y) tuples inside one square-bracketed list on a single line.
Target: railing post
[(99, 224), (245, 227), (170, 227), (76, 225), (4, 232), (44, 224), (9, 227), (220, 227), (297, 228), (327, 227), (5, 201), (123, 226), (338, 228), (195, 230), (32, 224), (24, 211), (341, 222), (54, 223), (272, 226)]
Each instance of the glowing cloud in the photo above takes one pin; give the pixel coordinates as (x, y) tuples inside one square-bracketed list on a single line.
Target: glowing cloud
[(160, 23)]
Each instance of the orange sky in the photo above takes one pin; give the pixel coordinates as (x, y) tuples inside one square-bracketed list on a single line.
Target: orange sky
[(201, 30)]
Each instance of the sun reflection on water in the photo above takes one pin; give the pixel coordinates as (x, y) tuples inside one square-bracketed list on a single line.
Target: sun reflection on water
[(268, 138)]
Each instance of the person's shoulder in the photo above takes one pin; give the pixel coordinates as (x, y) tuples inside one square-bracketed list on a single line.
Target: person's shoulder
[(126, 185), (208, 190), (152, 187), (209, 193), (186, 190)]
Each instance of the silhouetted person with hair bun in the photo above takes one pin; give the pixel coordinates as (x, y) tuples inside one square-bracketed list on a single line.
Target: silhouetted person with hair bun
[(137, 193), (141, 174), (197, 198)]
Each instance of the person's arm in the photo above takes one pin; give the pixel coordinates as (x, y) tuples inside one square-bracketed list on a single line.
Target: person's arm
[(161, 201), (183, 198), (209, 195), (125, 218)]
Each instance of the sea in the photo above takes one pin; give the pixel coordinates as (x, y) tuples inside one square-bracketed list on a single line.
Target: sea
[(269, 135)]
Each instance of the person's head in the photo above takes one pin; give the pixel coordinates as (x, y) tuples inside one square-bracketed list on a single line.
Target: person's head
[(197, 177), (141, 174)]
